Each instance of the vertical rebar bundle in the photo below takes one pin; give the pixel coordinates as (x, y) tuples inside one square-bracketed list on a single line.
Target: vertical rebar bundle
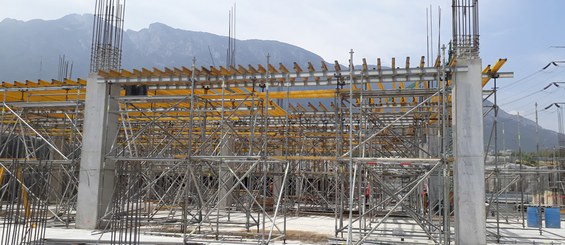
[(25, 213), (466, 28), (126, 215), (65, 70), (107, 35)]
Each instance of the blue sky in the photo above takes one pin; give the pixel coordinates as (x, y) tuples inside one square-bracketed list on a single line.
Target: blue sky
[(524, 31), (520, 30)]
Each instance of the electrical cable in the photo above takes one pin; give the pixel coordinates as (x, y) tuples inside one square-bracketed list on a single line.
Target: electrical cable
[(521, 98), (553, 63)]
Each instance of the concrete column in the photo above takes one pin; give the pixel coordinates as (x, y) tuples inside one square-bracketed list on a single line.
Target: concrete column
[(469, 179), (225, 175), (423, 144), (96, 178), (56, 182), (435, 193), (430, 142), (278, 170)]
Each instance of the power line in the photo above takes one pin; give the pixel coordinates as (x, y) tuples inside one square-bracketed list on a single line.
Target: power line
[(528, 95), (544, 98), (521, 98), (550, 64)]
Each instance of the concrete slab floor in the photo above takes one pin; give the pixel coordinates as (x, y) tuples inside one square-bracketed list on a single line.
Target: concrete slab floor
[(320, 230)]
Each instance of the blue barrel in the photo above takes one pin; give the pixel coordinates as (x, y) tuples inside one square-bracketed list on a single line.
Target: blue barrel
[(533, 217), (552, 218)]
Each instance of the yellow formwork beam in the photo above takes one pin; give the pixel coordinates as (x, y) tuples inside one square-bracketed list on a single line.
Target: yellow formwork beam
[(303, 94), (240, 94), (42, 95), (2, 171), (489, 71)]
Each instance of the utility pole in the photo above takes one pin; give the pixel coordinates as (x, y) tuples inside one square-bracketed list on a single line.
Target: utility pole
[(521, 169), (555, 189), (503, 138), (538, 174), (496, 169), (537, 130)]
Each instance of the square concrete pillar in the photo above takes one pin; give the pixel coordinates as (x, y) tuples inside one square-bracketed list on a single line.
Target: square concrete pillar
[(96, 178), (469, 177), (278, 177), (226, 177)]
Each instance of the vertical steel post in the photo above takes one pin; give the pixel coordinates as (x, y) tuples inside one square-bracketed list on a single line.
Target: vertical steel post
[(496, 169), (539, 186), (351, 170)]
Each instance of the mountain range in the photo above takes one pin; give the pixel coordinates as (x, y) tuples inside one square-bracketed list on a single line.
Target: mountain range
[(32, 49), (509, 127)]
